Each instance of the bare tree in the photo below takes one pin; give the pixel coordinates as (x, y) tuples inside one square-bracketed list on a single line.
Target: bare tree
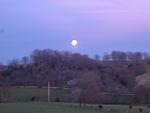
[(25, 60), (87, 89), (97, 57), (3, 93), (106, 57), (135, 56), (118, 56)]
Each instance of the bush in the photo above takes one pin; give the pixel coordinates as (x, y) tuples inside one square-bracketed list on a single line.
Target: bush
[(57, 99), (4, 94)]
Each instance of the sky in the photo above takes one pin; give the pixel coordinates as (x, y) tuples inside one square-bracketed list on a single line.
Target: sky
[(100, 26)]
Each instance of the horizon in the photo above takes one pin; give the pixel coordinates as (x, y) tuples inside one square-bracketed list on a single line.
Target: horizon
[(99, 26), (144, 55)]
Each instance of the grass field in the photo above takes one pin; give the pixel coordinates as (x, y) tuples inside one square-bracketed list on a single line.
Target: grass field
[(20, 103), (65, 108), (25, 94)]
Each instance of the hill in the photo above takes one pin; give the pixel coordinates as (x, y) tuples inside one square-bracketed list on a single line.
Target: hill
[(143, 80)]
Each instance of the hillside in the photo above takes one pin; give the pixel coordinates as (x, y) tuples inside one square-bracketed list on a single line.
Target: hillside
[(116, 70), (143, 80)]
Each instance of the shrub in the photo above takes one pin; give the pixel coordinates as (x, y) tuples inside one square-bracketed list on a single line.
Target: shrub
[(4, 93)]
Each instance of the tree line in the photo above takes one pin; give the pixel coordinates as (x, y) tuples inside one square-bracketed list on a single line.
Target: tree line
[(113, 72)]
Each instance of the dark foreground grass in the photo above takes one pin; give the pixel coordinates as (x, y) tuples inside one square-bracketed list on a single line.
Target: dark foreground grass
[(43, 108), (65, 108)]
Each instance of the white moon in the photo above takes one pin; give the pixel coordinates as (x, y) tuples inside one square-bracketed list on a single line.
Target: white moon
[(74, 42)]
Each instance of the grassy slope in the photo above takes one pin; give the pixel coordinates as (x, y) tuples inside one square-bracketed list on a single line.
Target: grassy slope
[(61, 108), (143, 80)]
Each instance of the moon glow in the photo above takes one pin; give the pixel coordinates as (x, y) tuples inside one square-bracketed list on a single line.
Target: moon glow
[(74, 42)]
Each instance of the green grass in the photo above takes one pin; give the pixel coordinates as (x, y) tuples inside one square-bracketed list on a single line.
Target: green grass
[(65, 108), (25, 94), (43, 108)]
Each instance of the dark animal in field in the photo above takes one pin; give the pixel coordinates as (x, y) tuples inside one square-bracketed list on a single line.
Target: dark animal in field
[(140, 110), (57, 99), (148, 106), (130, 106), (100, 106), (33, 98)]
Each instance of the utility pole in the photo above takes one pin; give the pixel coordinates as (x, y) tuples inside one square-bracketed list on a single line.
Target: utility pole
[(48, 91)]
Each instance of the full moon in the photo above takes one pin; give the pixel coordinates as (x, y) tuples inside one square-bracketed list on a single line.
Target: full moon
[(74, 42)]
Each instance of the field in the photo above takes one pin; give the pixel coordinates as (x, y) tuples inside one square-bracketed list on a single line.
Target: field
[(25, 94), (66, 108), (20, 102)]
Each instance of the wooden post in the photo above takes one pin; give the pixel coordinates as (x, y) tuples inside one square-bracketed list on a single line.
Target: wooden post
[(48, 91)]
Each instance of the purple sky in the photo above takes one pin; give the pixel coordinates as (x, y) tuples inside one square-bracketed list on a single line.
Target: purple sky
[(99, 25)]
